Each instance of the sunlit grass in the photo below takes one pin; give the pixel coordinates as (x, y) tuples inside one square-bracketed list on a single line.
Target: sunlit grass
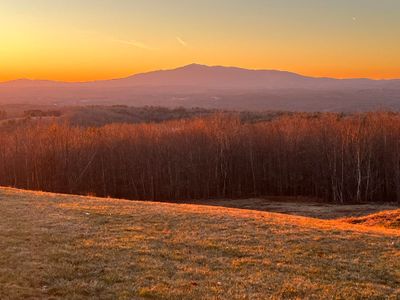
[(386, 219), (58, 246)]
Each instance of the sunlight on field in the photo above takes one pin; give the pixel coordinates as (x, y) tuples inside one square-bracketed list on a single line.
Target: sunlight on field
[(389, 219), (59, 246)]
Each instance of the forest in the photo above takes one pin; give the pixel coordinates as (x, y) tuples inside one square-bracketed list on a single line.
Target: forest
[(333, 157)]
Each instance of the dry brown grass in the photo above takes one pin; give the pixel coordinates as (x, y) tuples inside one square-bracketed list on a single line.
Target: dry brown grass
[(387, 219), (57, 246)]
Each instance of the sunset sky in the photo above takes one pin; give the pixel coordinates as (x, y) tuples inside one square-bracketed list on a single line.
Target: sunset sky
[(77, 40)]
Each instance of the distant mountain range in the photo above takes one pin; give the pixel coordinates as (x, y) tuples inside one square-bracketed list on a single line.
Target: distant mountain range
[(214, 87)]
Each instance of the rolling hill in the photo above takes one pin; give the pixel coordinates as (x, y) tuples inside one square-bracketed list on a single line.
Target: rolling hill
[(60, 246), (214, 87)]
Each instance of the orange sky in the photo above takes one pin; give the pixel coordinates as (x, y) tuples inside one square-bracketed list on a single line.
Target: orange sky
[(75, 41)]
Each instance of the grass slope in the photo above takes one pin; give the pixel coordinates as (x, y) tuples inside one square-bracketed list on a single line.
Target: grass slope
[(387, 219), (58, 246)]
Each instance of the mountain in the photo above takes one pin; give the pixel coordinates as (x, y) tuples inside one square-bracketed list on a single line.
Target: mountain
[(218, 77), (214, 87)]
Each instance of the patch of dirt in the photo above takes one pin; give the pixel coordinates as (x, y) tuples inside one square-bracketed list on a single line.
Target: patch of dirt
[(303, 207)]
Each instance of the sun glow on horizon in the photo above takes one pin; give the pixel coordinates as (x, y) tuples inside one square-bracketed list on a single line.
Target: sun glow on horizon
[(75, 41)]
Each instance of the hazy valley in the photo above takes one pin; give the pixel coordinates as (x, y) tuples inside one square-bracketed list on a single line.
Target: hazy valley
[(214, 88)]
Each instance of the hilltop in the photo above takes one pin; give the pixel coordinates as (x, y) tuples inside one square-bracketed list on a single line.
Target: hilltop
[(61, 246)]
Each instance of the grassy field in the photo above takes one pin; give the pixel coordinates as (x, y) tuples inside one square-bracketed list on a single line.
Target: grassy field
[(70, 247)]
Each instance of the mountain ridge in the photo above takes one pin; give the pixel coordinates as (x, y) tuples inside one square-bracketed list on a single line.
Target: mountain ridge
[(192, 69)]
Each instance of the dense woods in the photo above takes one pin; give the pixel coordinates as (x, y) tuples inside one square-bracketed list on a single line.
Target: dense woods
[(3, 114), (100, 115), (333, 157)]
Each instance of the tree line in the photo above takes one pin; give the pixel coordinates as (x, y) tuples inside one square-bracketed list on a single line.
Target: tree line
[(3, 115), (337, 158)]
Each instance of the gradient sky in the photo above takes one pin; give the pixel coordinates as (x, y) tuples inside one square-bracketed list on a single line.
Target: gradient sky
[(77, 40)]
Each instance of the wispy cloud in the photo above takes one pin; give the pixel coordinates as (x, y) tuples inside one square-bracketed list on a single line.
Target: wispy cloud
[(136, 44), (181, 41)]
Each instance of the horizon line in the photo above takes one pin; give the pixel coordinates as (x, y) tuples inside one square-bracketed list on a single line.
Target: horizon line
[(201, 65)]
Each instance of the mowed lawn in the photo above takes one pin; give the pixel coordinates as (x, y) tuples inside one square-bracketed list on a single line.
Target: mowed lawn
[(70, 247)]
